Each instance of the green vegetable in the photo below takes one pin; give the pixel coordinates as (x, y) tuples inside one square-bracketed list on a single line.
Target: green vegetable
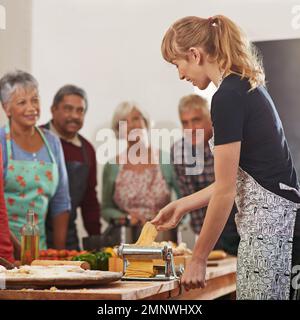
[(97, 261), (102, 260), (88, 257)]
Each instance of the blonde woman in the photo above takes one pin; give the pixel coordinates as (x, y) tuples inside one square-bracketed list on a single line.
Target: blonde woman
[(252, 161), (136, 188)]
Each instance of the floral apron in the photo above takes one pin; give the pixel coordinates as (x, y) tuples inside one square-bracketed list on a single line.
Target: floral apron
[(265, 222), (29, 185)]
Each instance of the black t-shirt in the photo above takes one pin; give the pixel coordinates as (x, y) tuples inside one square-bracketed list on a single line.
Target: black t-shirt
[(251, 117)]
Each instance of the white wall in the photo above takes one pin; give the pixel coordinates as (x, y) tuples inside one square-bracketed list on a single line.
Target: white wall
[(112, 48), (15, 40)]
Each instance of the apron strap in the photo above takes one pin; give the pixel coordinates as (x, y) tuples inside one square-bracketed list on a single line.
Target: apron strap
[(84, 151), (8, 142), (283, 186), (46, 144)]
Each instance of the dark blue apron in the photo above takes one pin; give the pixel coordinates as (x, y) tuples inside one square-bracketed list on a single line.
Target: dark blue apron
[(78, 173)]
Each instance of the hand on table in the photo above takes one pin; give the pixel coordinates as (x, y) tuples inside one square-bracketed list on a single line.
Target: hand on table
[(194, 275)]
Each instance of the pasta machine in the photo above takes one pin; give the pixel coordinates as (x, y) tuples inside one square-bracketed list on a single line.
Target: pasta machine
[(163, 261)]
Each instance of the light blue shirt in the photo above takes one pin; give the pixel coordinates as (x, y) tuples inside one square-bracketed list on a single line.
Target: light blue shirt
[(61, 201)]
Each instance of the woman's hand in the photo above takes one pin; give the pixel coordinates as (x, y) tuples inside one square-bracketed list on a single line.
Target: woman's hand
[(194, 275), (169, 216)]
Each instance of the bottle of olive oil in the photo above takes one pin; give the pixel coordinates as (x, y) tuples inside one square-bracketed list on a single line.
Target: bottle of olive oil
[(30, 237)]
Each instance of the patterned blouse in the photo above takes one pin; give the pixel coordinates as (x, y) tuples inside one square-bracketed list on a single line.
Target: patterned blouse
[(144, 192)]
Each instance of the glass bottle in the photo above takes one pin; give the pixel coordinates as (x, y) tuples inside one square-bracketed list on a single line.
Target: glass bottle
[(30, 237)]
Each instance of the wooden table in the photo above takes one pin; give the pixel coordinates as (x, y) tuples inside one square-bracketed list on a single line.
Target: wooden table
[(220, 281)]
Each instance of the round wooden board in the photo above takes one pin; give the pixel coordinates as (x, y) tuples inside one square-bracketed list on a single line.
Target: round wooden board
[(92, 278)]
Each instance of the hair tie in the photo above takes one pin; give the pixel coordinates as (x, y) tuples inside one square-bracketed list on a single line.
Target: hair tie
[(212, 21)]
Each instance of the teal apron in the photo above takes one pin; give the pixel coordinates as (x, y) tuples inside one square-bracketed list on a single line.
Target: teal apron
[(29, 185)]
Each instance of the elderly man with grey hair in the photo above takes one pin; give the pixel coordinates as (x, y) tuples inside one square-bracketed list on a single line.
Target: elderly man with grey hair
[(68, 109), (34, 168), (194, 115)]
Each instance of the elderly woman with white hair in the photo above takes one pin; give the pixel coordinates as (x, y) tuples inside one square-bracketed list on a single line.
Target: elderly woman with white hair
[(34, 168), (138, 185)]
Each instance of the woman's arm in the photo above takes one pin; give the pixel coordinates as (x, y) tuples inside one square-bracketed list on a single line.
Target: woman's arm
[(226, 167), (109, 209), (60, 228), (60, 203), (170, 215)]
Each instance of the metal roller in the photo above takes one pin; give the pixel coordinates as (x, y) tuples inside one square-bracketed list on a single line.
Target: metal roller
[(141, 253), (166, 272)]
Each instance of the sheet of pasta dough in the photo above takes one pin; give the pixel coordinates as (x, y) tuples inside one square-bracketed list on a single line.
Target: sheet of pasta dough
[(143, 268)]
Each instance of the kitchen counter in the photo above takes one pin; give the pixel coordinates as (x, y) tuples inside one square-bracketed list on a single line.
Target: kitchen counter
[(221, 280)]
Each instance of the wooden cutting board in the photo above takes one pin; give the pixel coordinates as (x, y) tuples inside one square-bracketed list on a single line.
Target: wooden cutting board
[(88, 278)]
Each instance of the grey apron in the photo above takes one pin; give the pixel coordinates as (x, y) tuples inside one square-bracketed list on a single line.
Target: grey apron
[(78, 173), (265, 222)]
